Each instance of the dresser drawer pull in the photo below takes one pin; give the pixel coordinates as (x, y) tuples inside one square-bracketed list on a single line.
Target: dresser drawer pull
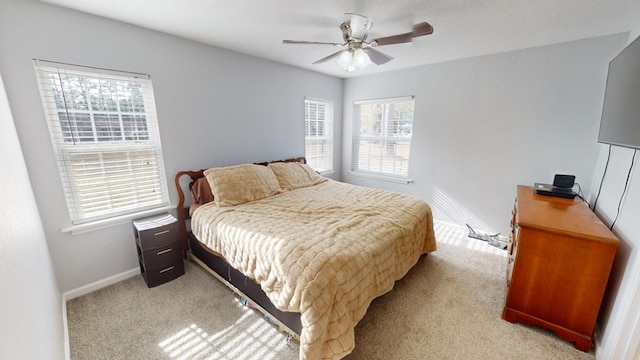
[(163, 251), (167, 269), (161, 233)]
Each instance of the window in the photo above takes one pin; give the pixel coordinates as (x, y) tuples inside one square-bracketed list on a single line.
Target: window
[(382, 136), (318, 125), (105, 136)]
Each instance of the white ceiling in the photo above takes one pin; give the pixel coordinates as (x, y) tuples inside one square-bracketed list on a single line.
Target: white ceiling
[(463, 28)]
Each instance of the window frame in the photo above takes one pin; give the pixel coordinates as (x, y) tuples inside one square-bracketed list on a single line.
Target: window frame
[(118, 149), (357, 137), (328, 121)]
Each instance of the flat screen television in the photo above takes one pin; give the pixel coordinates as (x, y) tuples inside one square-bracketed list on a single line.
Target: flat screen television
[(620, 122)]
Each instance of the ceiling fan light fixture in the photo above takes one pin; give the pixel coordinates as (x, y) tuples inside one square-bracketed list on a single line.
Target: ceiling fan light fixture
[(345, 59), (352, 60), (361, 59)]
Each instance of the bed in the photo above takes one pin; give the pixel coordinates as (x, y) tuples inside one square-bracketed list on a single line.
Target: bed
[(310, 252)]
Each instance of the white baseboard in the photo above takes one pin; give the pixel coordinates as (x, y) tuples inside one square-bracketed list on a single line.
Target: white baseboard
[(65, 328), (83, 290)]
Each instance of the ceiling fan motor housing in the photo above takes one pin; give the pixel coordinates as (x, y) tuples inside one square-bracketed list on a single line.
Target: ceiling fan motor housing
[(356, 29)]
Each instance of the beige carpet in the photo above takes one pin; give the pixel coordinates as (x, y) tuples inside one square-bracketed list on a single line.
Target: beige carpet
[(447, 307)]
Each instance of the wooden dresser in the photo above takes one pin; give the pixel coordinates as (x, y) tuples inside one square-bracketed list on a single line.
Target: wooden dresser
[(560, 257)]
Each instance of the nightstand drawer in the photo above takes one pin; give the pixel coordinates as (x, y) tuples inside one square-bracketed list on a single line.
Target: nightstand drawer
[(156, 232), (158, 276), (159, 256)]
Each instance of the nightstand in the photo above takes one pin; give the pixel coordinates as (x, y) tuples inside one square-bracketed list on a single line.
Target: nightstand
[(159, 248)]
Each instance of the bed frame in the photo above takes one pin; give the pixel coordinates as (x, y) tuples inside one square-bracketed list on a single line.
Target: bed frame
[(216, 264)]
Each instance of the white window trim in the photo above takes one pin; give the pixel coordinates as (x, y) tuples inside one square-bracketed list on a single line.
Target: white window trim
[(79, 223), (371, 175), (398, 180), (329, 124), (384, 100), (114, 221)]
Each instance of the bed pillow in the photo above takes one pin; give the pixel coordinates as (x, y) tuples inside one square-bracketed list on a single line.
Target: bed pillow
[(201, 191), (294, 175), (200, 194), (238, 184)]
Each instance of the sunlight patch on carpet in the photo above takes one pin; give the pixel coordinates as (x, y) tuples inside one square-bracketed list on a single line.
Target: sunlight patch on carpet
[(250, 338), (453, 234)]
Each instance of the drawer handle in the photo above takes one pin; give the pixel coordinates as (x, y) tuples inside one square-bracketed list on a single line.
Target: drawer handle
[(161, 233), (163, 251), (167, 269)]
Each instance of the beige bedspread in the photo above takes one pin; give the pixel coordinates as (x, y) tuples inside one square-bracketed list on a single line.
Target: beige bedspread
[(325, 251)]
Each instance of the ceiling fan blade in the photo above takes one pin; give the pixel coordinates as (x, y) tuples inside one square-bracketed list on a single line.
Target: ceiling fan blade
[(394, 39), (423, 28), (310, 42), (377, 57), (327, 58)]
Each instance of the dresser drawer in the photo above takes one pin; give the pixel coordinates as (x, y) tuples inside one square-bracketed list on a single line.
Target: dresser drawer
[(156, 232)]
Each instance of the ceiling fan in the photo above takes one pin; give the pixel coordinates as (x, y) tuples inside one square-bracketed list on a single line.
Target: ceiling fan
[(360, 52)]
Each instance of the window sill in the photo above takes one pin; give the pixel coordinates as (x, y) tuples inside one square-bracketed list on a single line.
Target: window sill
[(114, 221), (381, 177)]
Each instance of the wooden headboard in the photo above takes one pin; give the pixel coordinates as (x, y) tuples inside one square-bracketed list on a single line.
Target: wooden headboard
[(183, 212)]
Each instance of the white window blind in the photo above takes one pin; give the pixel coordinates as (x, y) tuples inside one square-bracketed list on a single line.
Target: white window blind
[(382, 136), (318, 120), (106, 140)]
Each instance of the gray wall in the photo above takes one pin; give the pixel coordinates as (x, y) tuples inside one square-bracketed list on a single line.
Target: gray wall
[(215, 107), (31, 304), (483, 125), (620, 312)]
